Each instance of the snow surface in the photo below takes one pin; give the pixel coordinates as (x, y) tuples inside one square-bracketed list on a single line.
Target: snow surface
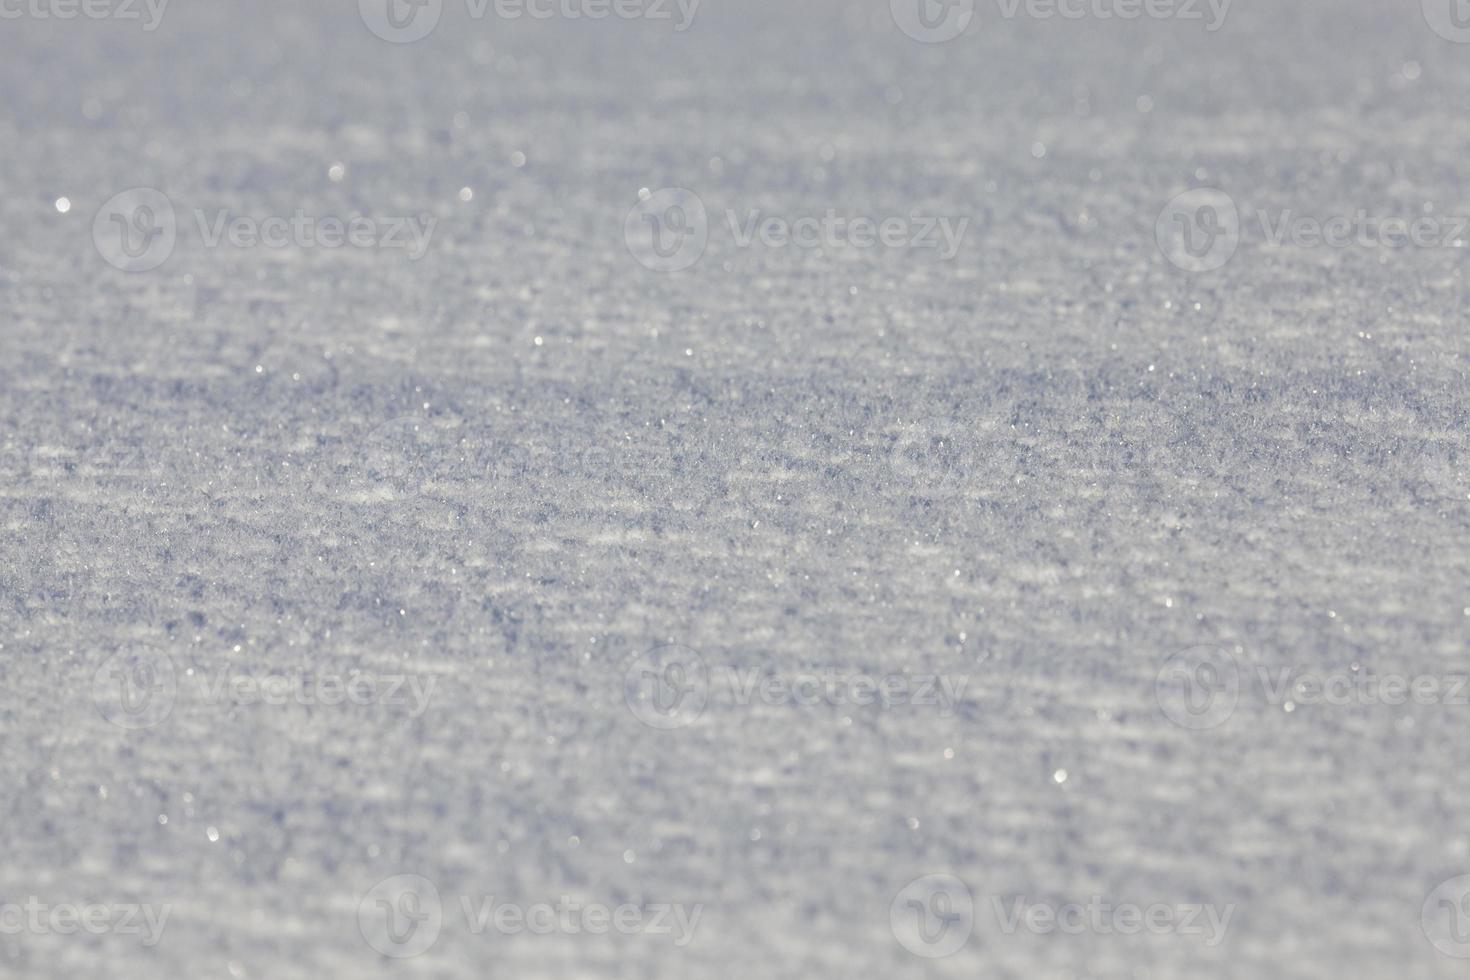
[(519, 464)]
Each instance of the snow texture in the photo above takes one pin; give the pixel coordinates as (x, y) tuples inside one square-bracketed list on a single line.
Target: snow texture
[(525, 467)]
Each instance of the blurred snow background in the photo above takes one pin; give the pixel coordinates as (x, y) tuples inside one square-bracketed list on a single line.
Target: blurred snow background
[(525, 459)]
